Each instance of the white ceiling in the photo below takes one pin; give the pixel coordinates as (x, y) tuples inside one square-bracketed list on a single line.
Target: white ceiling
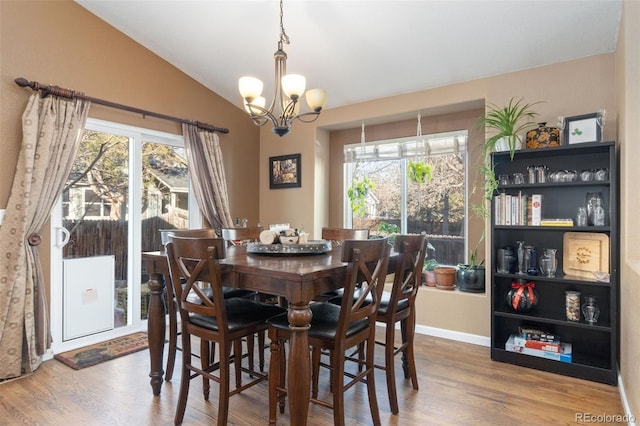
[(360, 50)]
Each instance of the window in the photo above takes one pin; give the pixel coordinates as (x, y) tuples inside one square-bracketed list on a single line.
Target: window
[(397, 202)]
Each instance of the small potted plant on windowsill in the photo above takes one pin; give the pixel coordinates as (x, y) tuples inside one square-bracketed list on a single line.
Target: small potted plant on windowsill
[(429, 277)]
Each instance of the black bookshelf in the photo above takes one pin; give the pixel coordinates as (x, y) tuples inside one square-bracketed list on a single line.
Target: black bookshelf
[(595, 347)]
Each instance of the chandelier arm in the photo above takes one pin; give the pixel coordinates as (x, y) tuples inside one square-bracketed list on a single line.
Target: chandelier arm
[(312, 115), (264, 114)]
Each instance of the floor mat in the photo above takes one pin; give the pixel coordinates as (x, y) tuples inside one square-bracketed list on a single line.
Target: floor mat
[(105, 351)]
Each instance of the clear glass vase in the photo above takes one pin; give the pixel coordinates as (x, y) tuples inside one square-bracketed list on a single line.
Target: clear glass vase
[(548, 262), (590, 310)]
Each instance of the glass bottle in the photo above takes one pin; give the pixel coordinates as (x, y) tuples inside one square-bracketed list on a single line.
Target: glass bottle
[(592, 198), (521, 267), (581, 216), (598, 213), (590, 310), (531, 260)]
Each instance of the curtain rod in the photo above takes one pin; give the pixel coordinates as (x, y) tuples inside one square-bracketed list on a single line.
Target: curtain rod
[(71, 94)]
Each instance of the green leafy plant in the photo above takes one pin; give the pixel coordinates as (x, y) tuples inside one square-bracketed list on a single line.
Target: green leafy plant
[(430, 264), (501, 123), (419, 172), (357, 194), (387, 228), (507, 122)]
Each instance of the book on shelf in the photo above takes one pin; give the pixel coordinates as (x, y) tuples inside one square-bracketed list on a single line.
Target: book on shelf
[(510, 209), (533, 333), (556, 222), (563, 354), (543, 345), (536, 210)]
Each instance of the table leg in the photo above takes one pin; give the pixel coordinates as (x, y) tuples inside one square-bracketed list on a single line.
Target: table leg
[(299, 365), (156, 330)]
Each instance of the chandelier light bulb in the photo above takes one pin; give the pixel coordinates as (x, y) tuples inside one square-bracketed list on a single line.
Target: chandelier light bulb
[(316, 98), (250, 87), (293, 85)]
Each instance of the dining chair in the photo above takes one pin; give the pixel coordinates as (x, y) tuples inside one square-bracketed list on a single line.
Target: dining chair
[(397, 305), (239, 236), (212, 318), (337, 328), (173, 310), (242, 236), (337, 236)]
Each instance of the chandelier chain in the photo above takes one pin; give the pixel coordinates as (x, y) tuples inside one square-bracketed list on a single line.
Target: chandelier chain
[(284, 38)]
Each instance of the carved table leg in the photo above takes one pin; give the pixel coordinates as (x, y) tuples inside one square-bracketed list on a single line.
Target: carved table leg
[(156, 330), (299, 365)]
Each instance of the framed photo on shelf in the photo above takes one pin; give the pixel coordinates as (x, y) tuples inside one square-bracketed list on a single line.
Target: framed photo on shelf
[(582, 129), (285, 171)]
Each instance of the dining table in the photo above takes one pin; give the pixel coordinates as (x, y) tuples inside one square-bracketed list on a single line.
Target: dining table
[(299, 279)]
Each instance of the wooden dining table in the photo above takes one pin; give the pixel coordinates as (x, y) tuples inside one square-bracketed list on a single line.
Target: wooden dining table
[(297, 278)]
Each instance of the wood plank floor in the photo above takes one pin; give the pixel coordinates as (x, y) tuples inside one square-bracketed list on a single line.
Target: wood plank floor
[(459, 385)]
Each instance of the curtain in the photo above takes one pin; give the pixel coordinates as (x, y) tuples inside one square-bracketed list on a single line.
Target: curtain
[(207, 174), (51, 132)]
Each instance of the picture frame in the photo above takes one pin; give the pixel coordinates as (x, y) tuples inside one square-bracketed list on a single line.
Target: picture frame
[(285, 171), (582, 129)]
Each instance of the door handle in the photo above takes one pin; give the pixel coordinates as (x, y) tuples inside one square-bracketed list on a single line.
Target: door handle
[(62, 237)]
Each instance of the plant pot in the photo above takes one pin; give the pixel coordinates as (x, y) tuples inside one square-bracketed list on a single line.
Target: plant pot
[(470, 279), (503, 144), (445, 276), (429, 278)]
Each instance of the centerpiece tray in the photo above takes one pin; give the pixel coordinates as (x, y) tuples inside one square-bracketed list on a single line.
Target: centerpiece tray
[(310, 248)]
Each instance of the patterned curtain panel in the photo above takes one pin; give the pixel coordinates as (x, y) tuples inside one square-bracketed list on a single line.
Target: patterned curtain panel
[(51, 128), (207, 175)]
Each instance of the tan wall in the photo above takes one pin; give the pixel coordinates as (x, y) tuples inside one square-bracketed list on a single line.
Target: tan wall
[(62, 43), (568, 88), (628, 105)]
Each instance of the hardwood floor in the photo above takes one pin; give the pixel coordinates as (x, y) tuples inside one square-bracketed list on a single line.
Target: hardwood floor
[(459, 385)]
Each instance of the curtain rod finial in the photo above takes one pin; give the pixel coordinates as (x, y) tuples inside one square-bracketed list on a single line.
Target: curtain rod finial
[(22, 82)]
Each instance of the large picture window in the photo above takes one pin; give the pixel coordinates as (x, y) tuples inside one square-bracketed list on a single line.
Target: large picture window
[(415, 187)]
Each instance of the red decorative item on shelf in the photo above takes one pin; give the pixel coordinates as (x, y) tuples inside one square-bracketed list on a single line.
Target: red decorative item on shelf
[(522, 296)]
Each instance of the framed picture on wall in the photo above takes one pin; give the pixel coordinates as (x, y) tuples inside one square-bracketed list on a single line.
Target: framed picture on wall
[(582, 128), (285, 171)]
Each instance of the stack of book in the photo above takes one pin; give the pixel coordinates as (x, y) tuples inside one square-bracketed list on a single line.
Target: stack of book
[(539, 343), (518, 210)]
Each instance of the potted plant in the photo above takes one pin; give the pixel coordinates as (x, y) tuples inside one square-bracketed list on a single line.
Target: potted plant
[(419, 172), (357, 194), (504, 125), (429, 277)]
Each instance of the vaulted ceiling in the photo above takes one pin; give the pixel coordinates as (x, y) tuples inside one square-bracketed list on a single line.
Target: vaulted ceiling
[(360, 50)]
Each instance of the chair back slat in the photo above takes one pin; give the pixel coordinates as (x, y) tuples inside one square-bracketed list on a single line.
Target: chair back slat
[(194, 233), (238, 236), (193, 261), (338, 235), (412, 250), (368, 261)]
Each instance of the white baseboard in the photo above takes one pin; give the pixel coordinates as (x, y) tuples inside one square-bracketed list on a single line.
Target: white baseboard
[(629, 417), (454, 335)]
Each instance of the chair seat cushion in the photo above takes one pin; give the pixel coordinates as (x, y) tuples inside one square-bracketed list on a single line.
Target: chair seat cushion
[(324, 322), (227, 291), (241, 313), (384, 302)]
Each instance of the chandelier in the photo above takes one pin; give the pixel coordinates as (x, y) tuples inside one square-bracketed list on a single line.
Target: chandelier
[(285, 106)]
